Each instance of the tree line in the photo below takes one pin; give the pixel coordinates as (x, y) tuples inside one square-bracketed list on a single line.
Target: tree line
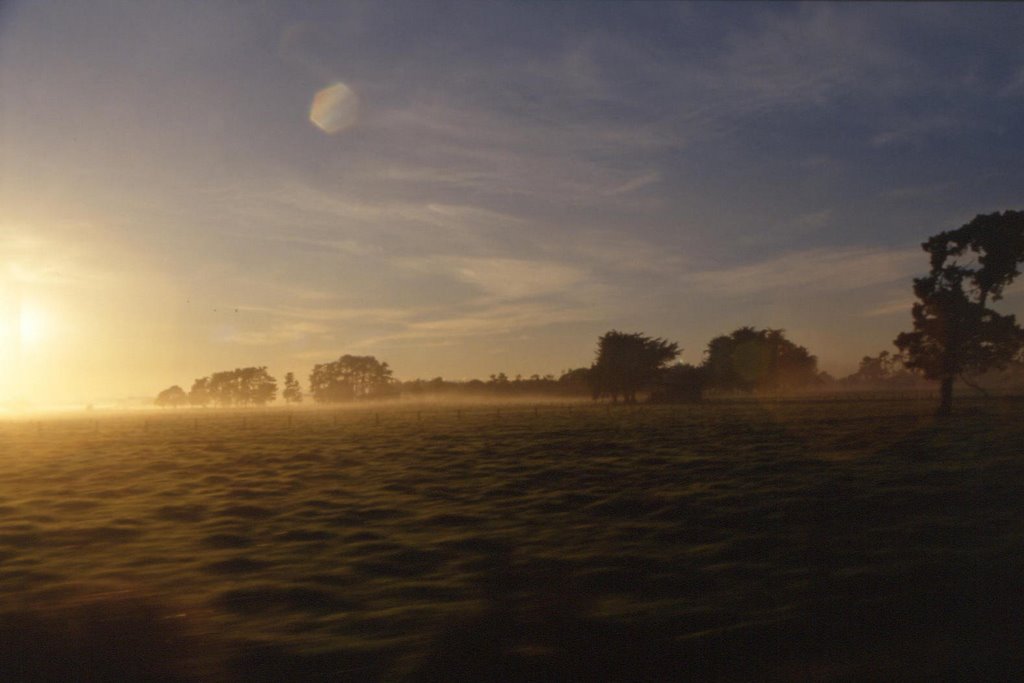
[(626, 363), (956, 335), (346, 379)]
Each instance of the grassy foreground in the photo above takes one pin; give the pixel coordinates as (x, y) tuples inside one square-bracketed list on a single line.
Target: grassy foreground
[(792, 541)]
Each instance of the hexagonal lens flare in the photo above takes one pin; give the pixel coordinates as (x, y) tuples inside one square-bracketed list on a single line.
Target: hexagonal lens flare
[(335, 108)]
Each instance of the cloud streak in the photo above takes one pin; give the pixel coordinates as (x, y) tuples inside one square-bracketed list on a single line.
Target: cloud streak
[(813, 270)]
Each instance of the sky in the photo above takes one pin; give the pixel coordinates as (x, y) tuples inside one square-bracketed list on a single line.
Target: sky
[(482, 187)]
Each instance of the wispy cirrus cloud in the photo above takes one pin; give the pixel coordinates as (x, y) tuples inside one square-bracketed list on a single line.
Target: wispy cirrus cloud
[(502, 279), (898, 305), (824, 270), (29, 256), (486, 321), (279, 333), (637, 183)]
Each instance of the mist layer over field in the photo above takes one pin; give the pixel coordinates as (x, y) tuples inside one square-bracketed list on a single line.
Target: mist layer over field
[(787, 540)]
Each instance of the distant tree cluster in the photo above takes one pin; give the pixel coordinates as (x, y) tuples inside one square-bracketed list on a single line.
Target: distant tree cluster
[(758, 360), (174, 397), (884, 371), (252, 386), (238, 387), (350, 378), (631, 363), (500, 385), (745, 360)]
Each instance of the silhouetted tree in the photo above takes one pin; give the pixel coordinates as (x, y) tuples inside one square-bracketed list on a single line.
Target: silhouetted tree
[(256, 386), (627, 363), (750, 359), (199, 394), (954, 331), (879, 368), (242, 386), (174, 397), (351, 377), (292, 391), (223, 387)]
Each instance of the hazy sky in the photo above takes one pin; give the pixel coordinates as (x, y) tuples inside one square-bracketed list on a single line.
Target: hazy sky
[(517, 179)]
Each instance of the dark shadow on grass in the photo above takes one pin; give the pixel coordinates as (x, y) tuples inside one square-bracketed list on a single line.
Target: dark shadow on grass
[(538, 624), (112, 635)]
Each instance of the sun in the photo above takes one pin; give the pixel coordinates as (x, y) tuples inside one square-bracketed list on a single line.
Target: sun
[(33, 326), (24, 326)]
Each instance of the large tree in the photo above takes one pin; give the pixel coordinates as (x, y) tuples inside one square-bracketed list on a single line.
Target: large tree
[(256, 386), (241, 386), (627, 363), (749, 359), (955, 332), (351, 377), (292, 391), (174, 396), (199, 394)]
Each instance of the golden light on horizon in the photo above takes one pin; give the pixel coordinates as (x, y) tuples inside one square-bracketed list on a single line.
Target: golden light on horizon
[(335, 108)]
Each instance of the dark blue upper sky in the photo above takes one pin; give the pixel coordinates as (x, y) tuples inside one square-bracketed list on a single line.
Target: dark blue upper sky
[(520, 177)]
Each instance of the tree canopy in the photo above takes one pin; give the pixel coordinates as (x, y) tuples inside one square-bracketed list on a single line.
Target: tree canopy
[(750, 359), (238, 387), (174, 396), (955, 332), (292, 391), (349, 378), (199, 394), (627, 363)]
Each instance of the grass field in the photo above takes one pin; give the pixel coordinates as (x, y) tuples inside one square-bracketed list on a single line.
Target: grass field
[(737, 540)]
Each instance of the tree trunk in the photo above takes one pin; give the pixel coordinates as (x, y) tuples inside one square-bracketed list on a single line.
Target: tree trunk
[(946, 397)]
